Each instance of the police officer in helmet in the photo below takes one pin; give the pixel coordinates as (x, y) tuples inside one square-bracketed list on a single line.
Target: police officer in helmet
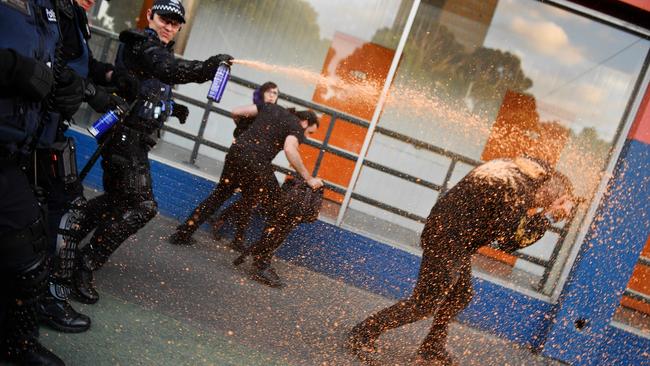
[(34, 90), (128, 202)]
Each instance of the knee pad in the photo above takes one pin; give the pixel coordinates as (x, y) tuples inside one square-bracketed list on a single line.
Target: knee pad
[(67, 239), (141, 214)]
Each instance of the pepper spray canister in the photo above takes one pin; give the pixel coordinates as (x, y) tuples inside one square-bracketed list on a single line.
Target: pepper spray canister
[(219, 82), (105, 122)]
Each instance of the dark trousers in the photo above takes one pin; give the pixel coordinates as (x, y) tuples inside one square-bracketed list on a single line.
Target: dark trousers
[(240, 214), (125, 207), (257, 183), (443, 289), (278, 227), (23, 266)]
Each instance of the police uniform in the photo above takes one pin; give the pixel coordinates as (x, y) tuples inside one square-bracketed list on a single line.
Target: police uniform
[(56, 166), (489, 205), (128, 202), (30, 32)]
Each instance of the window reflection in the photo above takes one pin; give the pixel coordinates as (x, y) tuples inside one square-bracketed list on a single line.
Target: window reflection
[(116, 15), (491, 79)]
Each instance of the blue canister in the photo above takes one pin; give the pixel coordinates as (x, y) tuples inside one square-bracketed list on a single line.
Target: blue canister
[(105, 122), (219, 82)]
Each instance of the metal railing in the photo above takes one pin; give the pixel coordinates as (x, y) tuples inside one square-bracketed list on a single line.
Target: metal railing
[(109, 44)]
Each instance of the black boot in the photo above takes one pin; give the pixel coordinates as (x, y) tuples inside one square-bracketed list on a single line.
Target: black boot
[(32, 354), (438, 357), (178, 238), (59, 315), (83, 282), (362, 345), (266, 274), (237, 245)]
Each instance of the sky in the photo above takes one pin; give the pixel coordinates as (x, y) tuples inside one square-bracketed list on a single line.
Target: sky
[(583, 71)]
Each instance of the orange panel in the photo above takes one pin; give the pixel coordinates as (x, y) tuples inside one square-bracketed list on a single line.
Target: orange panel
[(348, 136), (641, 128), (498, 255), (309, 155), (641, 4), (143, 21), (635, 304), (640, 280), (353, 73), (518, 131), (336, 169), (333, 196)]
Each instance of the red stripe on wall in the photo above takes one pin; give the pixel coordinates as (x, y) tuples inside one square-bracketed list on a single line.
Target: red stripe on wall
[(643, 4), (641, 128)]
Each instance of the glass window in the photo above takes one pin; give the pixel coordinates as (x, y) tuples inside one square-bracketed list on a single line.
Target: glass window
[(299, 44), (480, 80), (116, 15)]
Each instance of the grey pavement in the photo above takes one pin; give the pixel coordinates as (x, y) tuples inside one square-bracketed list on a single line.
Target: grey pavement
[(163, 304)]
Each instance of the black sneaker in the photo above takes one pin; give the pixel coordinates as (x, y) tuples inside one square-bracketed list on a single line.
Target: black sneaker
[(60, 315), (362, 346), (179, 239), (439, 357), (267, 276)]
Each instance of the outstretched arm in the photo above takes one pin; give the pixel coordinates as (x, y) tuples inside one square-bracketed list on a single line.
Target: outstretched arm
[(150, 56), (245, 111)]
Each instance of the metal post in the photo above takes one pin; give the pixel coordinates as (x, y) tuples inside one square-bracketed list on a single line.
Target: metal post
[(378, 109), (325, 143), (199, 135)]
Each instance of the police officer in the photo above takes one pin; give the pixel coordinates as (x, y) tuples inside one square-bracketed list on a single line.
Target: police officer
[(57, 166), (509, 202), (128, 202), (29, 114)]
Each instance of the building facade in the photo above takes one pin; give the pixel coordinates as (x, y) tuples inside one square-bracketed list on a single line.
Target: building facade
[(414, 94)]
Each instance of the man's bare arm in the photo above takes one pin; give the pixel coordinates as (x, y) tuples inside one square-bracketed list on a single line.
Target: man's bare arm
[(292, 153)]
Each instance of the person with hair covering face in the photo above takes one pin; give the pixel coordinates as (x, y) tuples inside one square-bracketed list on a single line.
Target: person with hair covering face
[(507, 202), (248, 167), (244, 117)]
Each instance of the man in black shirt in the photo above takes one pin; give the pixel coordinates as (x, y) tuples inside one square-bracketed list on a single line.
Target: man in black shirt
[(244, 117), (248, 165), (510, 202)]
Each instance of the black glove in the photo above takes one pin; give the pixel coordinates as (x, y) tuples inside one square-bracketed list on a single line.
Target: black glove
[(181, 112), (211, 64), (127, 85), (101, 99), (225, 58), (31, 78), (69, 93)]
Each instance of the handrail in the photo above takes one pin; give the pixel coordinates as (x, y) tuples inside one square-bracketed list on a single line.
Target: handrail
[(324, 147)]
